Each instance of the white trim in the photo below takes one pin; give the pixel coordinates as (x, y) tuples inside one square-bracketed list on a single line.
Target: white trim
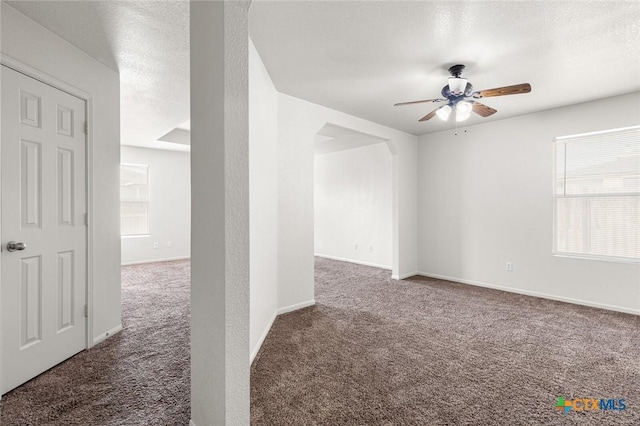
[(601, 258), (191, 423), (166, 259), (295, 307), (56, 83), (106, 334), (90, 222), (43, 77), (535, 294), (359, 262), (600, 195), (266, 331), (599, 132), (403, 276)]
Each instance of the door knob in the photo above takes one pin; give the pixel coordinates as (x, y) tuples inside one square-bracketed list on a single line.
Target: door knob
[(14, 246)]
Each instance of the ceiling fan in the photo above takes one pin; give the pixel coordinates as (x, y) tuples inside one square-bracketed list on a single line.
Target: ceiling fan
[(461, 98)]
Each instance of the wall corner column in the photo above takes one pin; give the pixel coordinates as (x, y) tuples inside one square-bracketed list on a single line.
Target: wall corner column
[(220, 213)]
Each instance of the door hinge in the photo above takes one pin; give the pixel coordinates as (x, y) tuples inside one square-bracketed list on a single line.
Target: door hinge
[(86, 128), (86, 219), (86, 311)]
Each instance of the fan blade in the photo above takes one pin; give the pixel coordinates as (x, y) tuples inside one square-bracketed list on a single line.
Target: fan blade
[(502, 91), (419, 102), (429, 116), (483, 110)]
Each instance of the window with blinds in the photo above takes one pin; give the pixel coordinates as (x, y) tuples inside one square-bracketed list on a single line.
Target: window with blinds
[(597, 195), (134, 199)]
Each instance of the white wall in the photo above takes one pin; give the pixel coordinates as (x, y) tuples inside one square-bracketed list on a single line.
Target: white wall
[(219, 213), (298, 123), (353, 205), (263, 199), (31, 44), (169, 206), (485, 198)]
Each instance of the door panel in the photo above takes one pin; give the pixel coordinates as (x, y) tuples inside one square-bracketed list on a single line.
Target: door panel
[(43, 287), (30, 301), (65, 187)]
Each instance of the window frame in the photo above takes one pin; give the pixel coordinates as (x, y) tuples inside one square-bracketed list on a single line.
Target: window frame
[(556, 197), (148, 233)]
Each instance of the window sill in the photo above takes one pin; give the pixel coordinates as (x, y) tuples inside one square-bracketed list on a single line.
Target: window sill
[(599, 258)]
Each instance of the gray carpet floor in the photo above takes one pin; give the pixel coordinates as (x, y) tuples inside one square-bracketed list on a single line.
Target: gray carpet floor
[(138, 377), (376, 351), (373, 351)]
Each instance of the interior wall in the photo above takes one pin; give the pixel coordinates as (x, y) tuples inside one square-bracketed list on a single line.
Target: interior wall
[(169, 206), (33, 45), (263, 200), (485, 198), (298, 123), (220, 262), (353, 197)]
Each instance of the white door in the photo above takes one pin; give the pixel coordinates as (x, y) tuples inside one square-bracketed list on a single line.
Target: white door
[(43, 207)]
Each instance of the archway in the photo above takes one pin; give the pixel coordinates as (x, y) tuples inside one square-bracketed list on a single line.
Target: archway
[(355, 197)]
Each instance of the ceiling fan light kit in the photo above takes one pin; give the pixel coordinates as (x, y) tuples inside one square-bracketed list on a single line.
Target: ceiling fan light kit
[(463, 110), (443, 112), (461, 98)]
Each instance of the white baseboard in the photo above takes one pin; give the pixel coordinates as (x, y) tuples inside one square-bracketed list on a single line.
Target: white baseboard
[(167, 259), (280, 311), (535, 294), (255, 350), (359, 262), (99, 338), (191, 423), (295, 307), (403, 276)]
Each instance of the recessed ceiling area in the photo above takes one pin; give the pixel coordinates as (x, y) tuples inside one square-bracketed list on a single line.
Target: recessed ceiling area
[(362, 57), (332, 138), (181, 134)]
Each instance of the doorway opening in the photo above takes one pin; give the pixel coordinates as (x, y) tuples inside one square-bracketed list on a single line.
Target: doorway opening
[(355, 202)]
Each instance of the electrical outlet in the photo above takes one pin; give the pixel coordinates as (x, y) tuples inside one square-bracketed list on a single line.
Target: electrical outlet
[(355, 246), (508, 266), (169, 244), (156, 245)]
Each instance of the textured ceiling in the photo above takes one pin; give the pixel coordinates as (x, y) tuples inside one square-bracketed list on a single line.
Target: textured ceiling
[(146, 41), (362, 57)]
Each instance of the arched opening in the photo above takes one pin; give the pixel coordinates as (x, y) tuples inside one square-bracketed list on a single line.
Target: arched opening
[(355, 200)]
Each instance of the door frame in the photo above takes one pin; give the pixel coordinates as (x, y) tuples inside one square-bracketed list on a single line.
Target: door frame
[(14, 64)]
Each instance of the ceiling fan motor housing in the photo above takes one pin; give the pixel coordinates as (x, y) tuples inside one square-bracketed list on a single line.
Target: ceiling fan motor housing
[(456, 70), (456, 82), (455, 98)]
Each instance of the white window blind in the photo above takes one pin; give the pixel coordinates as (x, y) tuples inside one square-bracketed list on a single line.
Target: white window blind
[(597, 195), (134, 199)]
